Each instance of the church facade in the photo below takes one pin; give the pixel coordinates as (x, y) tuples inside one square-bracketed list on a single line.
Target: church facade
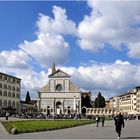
[(59, 95)]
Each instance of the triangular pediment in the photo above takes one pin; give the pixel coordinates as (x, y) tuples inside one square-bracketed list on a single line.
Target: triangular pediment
[(58, 73)]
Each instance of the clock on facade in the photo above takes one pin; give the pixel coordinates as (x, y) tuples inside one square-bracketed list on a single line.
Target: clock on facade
[(58, 87)]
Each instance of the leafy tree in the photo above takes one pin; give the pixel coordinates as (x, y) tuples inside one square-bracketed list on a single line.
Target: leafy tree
[(28, 98), (86, 101), (100, 101)]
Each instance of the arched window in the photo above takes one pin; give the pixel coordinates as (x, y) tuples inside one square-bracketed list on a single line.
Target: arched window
[(9, 87), (13, 88), (5, 103), (13, 94), (9, 103), (9, 94), (5, 86), (5, 93), (13, 104), (0, 85)]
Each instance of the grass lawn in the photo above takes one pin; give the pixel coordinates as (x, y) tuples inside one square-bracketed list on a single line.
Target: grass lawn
[(42, 125)]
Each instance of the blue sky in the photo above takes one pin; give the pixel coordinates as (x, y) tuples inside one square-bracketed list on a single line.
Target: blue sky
[(96, 42)]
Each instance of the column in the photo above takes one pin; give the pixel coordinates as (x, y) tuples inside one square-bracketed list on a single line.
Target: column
[(74, 107)]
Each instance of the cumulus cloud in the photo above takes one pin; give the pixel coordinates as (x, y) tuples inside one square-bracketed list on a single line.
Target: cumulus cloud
[(50, 45), (108, 23), (111, 79), (47, 49), (59, 25), (15, 59)]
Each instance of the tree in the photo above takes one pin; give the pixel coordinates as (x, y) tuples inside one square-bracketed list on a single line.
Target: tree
[(28, 98), (86, 101), (100, 101)]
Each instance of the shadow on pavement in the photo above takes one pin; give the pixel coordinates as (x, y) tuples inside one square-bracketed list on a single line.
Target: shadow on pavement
[(130, 138)]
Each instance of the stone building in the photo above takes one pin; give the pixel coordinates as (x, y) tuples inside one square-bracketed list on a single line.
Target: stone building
[(9, 94), (59, 95)]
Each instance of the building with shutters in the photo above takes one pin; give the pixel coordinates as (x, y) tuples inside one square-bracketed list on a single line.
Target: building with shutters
[(9, 94)]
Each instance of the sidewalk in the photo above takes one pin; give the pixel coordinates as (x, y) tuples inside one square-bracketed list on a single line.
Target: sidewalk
[(131, 131)]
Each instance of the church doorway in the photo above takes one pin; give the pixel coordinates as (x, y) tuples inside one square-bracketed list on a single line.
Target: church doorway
[(69, 110), (48, 110), (58, 108)]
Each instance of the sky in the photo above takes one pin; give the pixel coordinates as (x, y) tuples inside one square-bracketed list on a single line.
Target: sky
[(96, 42)]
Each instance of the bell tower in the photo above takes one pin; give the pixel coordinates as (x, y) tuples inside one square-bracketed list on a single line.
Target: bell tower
[(53, 68)]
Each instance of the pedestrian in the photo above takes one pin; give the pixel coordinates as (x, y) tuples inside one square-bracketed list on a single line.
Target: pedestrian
[(103, 120), (6, 115), (97, 120), (119, 123)]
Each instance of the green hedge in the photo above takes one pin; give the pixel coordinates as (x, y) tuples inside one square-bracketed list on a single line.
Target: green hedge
[(42, 125)]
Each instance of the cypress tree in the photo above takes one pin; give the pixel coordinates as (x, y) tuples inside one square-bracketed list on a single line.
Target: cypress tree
[(28, 98)]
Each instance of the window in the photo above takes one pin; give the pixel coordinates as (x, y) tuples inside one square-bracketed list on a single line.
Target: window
[(5, 103), (9, 94), (9, 87), (9, 103), (0, 92), (5, 77), (13, 88), (9, 79), (13, 80), (13, 104), (5, 93), (5, 86), (13, 94)]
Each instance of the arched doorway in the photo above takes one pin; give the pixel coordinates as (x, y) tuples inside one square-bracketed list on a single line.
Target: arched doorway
[(48, 110), (58, 108), (69, 110)]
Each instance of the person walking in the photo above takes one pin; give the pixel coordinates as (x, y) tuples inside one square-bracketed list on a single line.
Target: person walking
[(97, 120), (6, 115), (119, 123), (103, 120)]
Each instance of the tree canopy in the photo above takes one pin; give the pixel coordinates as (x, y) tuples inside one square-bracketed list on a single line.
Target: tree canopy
[(86, 101), (100, 101)]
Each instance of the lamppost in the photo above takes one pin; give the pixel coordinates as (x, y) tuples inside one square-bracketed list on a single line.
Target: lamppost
[(74, 106)]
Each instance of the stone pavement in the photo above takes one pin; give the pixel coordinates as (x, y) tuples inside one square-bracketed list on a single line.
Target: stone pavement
[(131, 131)]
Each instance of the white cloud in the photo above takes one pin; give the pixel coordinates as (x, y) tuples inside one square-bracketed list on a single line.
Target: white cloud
[(47, 49), (59, 25), (134, 50), (110, 78), (50, 46), (113, 22), (15, 59)]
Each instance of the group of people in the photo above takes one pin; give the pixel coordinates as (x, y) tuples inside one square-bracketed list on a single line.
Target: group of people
[(98, 119), (118, 119)]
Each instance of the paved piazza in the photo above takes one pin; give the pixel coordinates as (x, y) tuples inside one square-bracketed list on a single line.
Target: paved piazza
[(131, 131)]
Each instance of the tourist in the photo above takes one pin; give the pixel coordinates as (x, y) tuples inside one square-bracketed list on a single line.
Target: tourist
[(103, 120), (6, 115), (119, 123), (97, 120)]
